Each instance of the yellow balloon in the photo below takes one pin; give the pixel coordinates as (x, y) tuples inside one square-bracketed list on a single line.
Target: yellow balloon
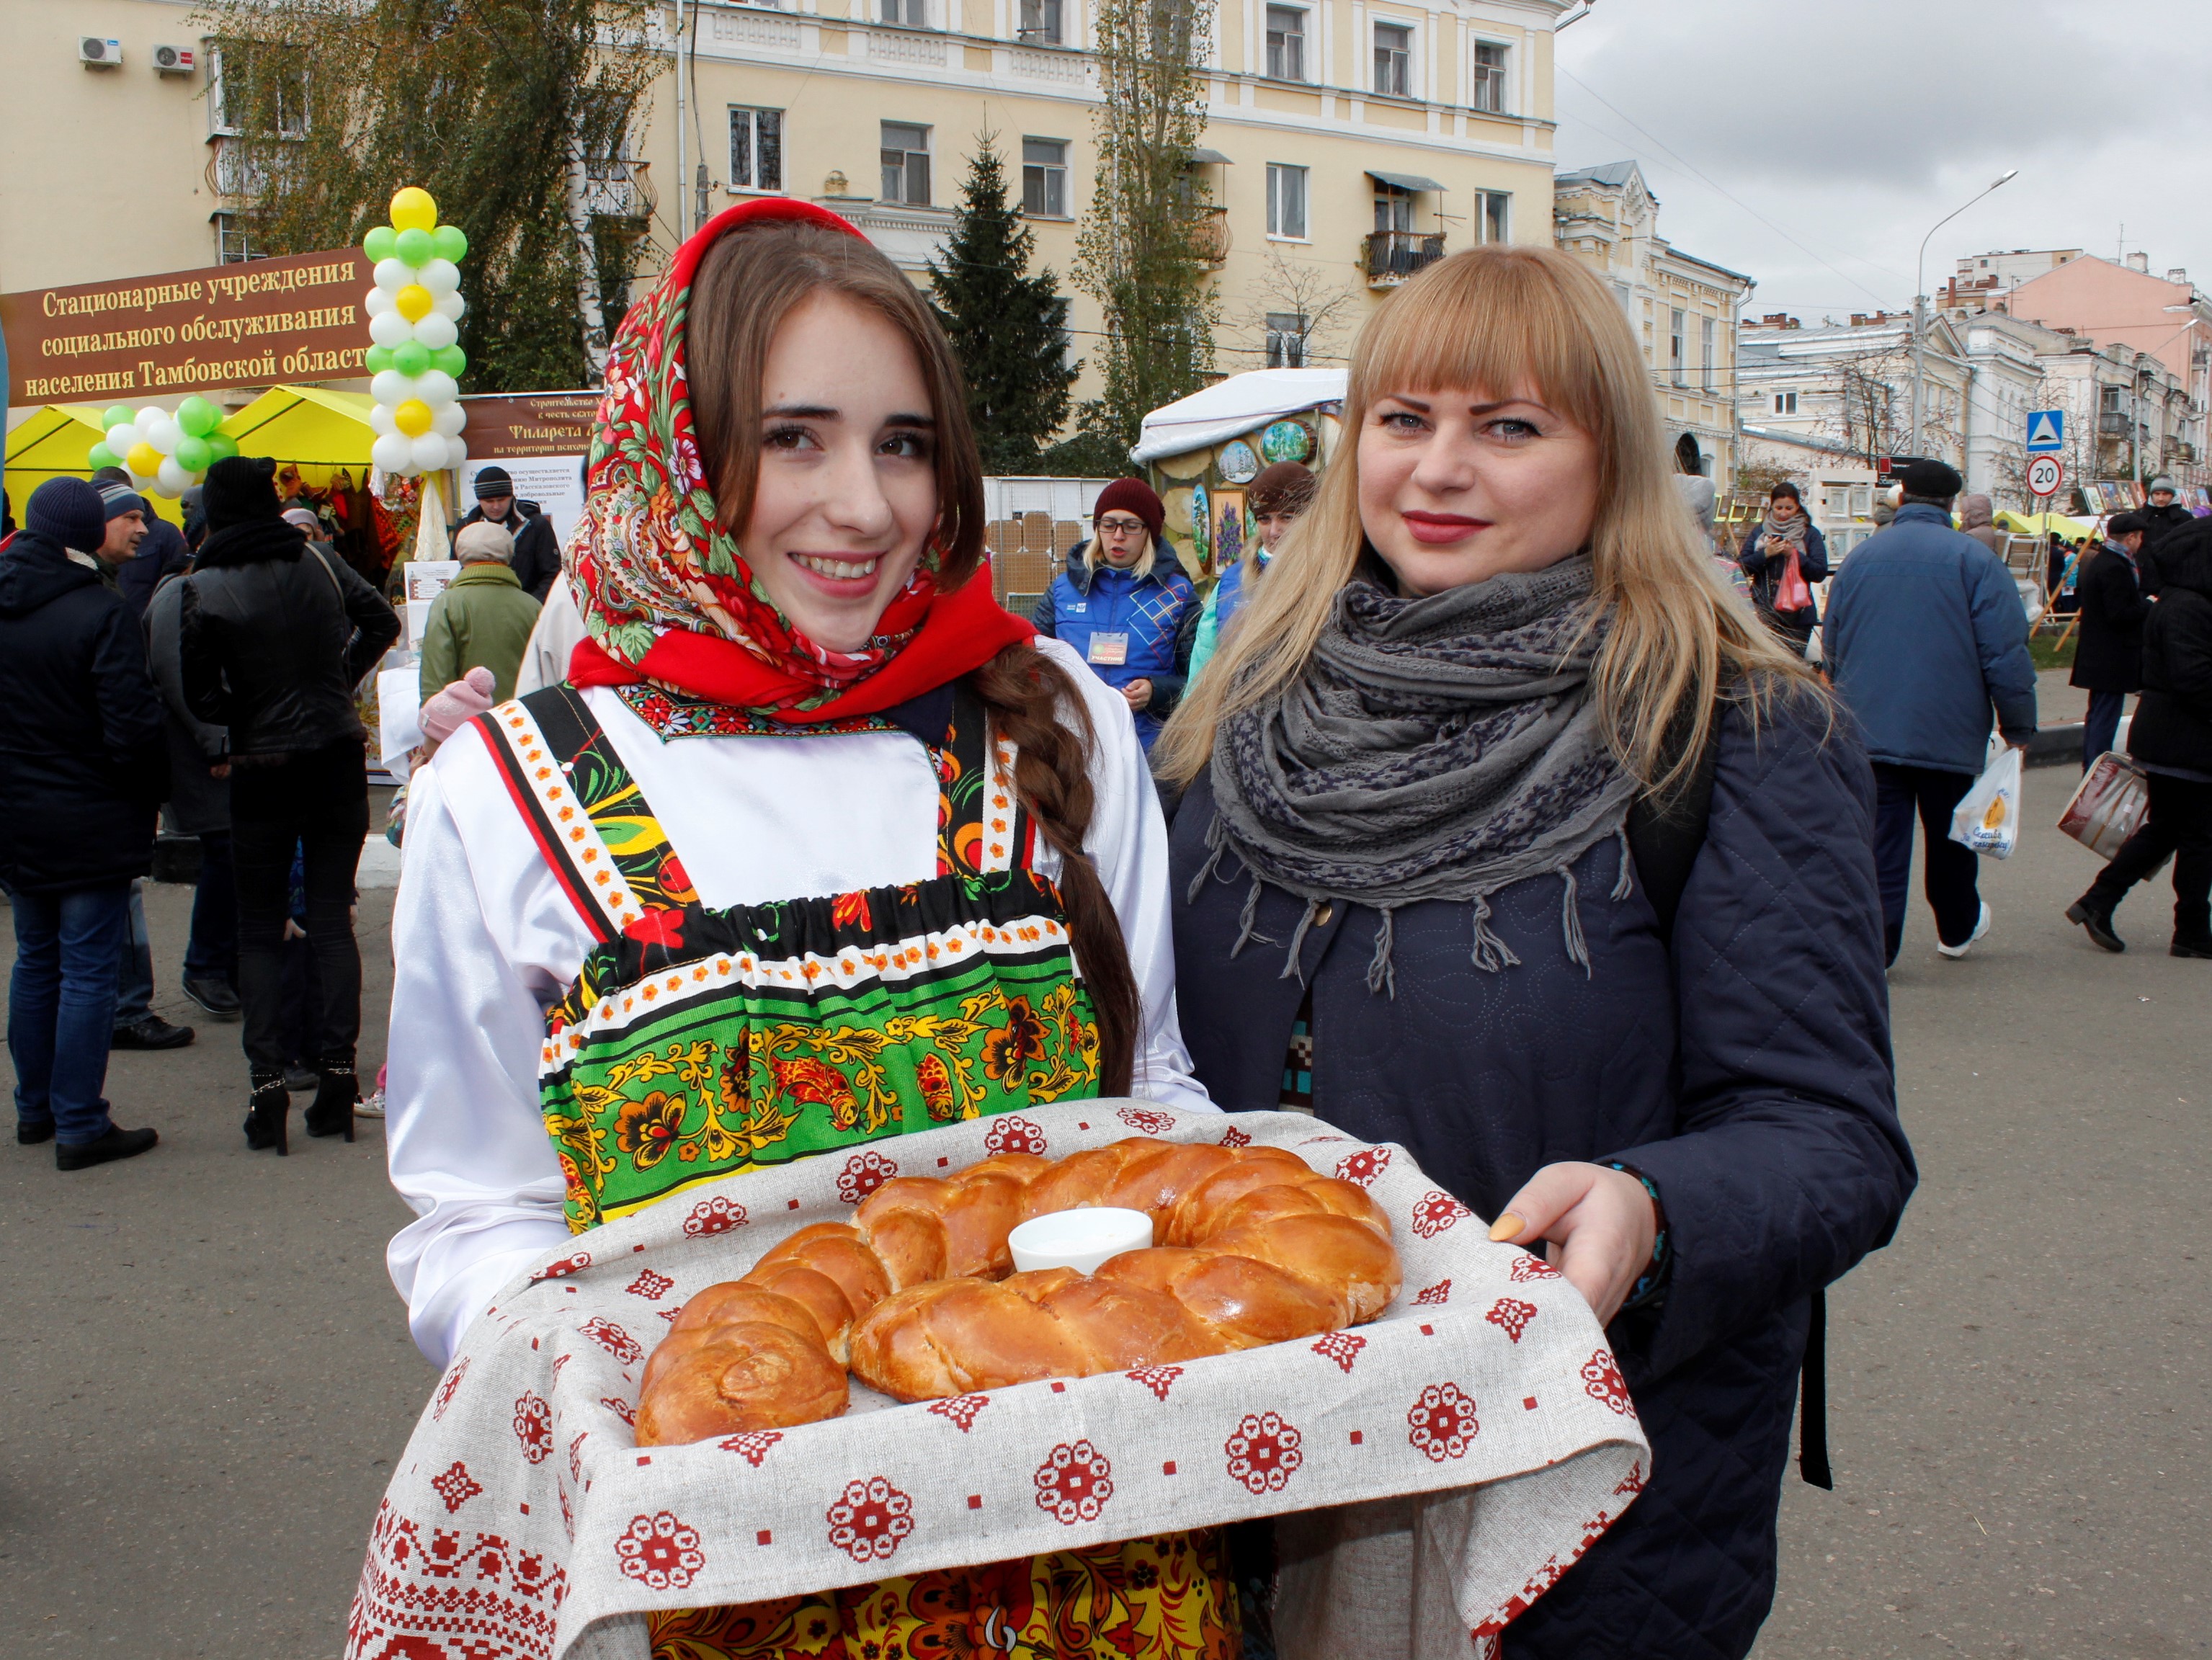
[(413, 302), (412, 418), (144, 459), (413, 209)]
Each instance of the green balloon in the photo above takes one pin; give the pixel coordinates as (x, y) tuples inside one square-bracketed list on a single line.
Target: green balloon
[(381, 244), (450, 243), (220, 447), (410, 357), (198, 417), (378, 359), (117, 415), (450, 359), (415, 248), (100, 456), (194, 453)]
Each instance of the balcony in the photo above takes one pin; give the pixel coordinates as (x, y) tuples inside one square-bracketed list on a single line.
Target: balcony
[(1210, 236), (1395, 255), (2110, 424), (615, 187)]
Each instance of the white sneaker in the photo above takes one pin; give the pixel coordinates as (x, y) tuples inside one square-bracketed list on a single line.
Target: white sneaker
[(373, 1107), (1981, 928)]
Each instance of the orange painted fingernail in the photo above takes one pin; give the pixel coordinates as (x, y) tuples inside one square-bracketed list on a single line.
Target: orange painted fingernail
[(1505, 1227)]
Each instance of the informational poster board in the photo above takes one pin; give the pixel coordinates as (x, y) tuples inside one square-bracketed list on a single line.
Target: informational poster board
[(541, 438), (426, 580)]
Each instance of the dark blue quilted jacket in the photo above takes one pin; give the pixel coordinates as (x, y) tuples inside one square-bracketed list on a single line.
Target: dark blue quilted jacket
[(1747, 1071)]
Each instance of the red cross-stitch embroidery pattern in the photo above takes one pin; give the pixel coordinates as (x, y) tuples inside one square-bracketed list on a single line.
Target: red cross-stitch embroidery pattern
[(1233, 1137), (1074, 1484), (613, 1339), (1263, 1452), (1511, 1315), (1601, 1381), (1158, 1379), (960, 1409), (576, 1456), (417, 1601), (456, 1487), (864, 1172), (752, 1447), (533, 1427), (1364, 1167), (869, 1519), (563, 1269), (1341, 1346), (650, 1285), (621, 1408), (445, 1389), (1430, 1296), (1152, 1123), (1548, 1575), (1013, 1134), (716, 1215), (659, 1550), (1436, 1212), (1527, 1267), (1443, 1421)]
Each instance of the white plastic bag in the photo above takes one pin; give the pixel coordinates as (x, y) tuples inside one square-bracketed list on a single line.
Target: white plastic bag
[(1987, 819)]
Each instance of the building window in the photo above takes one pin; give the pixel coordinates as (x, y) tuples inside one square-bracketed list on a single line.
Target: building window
[(1286, 201), (1708, 332), (1489, 77), (913, 14), (755, 150), (231, 243), (906, 163), (1785, 403), (1493, 205), (1040, 23), (1286, 340), (1044, 178), (256, 88), (1394, 59), (1393, 208), (1676, 344), (1286, 44)]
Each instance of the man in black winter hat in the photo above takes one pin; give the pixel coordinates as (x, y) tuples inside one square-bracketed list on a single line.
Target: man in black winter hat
[(83, 767), (537, 553)]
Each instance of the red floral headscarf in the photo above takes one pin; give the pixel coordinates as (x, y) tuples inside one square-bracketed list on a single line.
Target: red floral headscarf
[(666, 594)]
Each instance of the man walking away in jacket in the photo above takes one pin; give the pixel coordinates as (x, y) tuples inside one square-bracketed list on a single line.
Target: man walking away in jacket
[(82, 771), (483, 619), (2108, 653), (1924, 632), (537, 558), (2171, 739)]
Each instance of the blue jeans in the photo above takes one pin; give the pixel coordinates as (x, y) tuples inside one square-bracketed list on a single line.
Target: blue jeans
[(211, 952), (134, 977), (61, 1006), (2101, 725)]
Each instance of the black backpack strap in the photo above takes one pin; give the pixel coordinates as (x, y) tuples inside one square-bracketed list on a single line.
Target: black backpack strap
[(1664, 839)]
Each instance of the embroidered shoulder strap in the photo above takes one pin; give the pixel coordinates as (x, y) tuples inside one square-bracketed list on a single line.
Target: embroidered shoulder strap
[(982, 827), (597, 831)]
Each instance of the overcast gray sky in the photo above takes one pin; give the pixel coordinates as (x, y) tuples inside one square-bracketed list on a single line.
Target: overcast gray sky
[(1811, 143)]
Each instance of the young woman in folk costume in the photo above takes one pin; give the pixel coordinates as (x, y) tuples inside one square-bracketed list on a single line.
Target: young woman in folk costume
[(800, 732)]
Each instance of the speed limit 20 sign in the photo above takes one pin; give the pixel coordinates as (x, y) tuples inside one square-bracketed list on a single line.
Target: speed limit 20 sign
[(2045, 475)]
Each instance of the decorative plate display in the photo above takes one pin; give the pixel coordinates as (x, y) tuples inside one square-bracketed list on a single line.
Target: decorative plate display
[(1238, 463), (1286, 440), (1191, 464), (1201, 524)]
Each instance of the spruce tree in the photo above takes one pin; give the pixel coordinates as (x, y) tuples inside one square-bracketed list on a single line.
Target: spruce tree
[(1008, 329)]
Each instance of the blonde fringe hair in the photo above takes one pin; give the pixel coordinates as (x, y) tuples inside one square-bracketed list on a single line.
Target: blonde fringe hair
[(1504, 321)]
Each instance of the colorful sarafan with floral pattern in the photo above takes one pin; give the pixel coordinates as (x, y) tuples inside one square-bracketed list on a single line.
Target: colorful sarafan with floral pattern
[(697, 1041)]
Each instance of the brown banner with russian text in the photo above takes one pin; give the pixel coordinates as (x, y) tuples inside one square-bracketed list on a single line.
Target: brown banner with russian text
[(518, 425)]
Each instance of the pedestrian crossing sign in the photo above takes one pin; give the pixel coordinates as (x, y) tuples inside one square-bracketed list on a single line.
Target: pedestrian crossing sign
[(2046, 431)]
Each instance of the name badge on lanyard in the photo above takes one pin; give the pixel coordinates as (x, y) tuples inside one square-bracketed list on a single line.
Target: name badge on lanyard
[(1109, 650)]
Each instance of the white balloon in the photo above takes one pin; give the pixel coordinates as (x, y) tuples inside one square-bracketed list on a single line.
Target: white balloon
[(456, 452), (390, 329), (377, 302), (381, 420), (147, 415), (450, 304), (390, 388), (165, 435), (394, 274), (436, 331), (174, 478), (143, 483), (439, 277), (449, 419), (435, 387), (122, 438), (429, 451), (393, 453)]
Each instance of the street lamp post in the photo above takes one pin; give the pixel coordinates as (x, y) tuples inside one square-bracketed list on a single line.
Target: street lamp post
[(1920, 310)]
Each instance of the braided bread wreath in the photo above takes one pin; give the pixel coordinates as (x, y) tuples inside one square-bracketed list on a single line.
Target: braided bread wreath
[(917, 1297)]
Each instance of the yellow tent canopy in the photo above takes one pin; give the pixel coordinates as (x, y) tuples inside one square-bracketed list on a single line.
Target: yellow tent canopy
[(56, 442), (315, 430), (2042, 523)]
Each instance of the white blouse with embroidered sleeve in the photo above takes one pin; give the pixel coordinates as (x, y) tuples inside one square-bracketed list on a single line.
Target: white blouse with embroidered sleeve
[(483, 940)]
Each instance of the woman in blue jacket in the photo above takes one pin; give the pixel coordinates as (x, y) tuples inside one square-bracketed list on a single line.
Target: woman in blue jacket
[(1508, 838), (1125, 604), (1277, 496), (1765, 560)]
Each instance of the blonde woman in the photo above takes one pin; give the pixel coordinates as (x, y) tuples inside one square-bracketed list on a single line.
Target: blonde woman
[(1512, 837)]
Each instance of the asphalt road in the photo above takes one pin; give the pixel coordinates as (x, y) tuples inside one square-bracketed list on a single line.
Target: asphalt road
[(208, 1374)]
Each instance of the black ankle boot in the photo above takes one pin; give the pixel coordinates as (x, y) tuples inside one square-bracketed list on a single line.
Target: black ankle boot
[(336, 1091), (2095, 918), (271, 1104)]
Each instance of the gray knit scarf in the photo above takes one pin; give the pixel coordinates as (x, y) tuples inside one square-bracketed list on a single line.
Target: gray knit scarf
[(1439, 748)]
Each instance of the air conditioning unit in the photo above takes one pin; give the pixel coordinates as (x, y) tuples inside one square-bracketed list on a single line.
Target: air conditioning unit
[(172, 60), (97, 54)]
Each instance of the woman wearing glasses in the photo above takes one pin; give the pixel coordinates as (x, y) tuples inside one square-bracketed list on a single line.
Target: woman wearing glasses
[(1124, 605)]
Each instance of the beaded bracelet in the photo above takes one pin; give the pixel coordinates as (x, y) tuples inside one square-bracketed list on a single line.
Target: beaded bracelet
[(1653, 1281)]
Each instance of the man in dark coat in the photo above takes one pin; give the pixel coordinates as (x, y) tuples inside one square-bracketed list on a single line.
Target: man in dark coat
[(2164, 516), (2108, 653), (83, 767), (159, 556), (536, 552), (2171, 739)]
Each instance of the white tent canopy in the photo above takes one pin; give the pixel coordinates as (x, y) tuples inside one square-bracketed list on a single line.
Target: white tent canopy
[(1229, 407)]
